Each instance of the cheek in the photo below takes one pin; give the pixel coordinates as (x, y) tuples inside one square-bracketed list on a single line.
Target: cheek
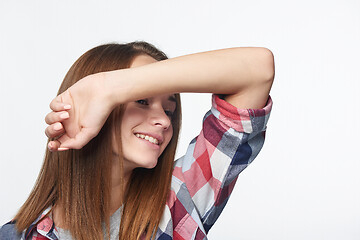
[(131, 118), (169, 135)]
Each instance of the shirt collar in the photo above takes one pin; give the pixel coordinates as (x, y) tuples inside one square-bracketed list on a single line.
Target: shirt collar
[(44, 226)]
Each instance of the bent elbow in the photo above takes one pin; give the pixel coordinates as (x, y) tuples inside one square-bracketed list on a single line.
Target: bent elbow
[(268, 66)]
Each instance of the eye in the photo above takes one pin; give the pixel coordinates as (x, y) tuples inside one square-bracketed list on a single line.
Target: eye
[(169, 113), (142, 102)]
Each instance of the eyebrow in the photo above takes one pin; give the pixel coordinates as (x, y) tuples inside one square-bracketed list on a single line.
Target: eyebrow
[(172, 98)]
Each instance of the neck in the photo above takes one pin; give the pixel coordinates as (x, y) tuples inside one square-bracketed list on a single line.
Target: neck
[(118, 185)]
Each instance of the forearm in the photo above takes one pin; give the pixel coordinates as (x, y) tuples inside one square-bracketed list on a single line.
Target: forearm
[(244, 75), (240, 73)]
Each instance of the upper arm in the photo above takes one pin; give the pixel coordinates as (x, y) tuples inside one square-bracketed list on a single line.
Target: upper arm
[(230, 139)]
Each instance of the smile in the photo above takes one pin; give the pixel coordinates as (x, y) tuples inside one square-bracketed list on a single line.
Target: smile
[(148, 138)]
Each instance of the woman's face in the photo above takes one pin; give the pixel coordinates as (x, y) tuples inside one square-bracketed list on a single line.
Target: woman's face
[(146, 127)]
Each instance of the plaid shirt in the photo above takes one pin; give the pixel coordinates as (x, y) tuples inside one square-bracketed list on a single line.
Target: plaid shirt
[(203, 179)]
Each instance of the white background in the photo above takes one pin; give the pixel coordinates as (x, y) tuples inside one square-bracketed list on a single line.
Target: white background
[(305, 184)]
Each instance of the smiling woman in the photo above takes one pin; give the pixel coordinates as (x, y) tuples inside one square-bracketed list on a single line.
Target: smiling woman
[(109, 171), (146, 130)]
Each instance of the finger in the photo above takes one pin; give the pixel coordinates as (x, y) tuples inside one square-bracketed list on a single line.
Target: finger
[(80, 140), (55, 145), (54, 117), (56, 105), (54, 130)]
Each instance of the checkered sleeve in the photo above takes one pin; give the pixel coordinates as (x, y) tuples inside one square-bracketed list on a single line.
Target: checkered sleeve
[(229, 141)]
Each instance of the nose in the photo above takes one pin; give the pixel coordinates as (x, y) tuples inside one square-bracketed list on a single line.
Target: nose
[(159, 118)]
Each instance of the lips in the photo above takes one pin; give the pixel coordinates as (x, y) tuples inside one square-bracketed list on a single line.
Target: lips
[(151, 137)]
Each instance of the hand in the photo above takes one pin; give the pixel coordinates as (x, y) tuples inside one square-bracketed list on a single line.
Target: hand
[(78, 113)]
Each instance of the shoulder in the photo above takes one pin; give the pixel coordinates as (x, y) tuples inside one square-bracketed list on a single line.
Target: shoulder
[(9, 232)]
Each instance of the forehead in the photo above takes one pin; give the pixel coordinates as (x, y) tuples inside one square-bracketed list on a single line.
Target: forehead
[(142, 60), (167, 98)]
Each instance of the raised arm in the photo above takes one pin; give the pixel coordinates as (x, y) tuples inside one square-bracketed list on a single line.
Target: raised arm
[(244, 75)]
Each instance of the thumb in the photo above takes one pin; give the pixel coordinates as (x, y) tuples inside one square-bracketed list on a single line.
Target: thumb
[(80, 139)]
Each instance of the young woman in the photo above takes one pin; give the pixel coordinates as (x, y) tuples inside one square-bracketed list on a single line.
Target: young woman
[(109, 171)]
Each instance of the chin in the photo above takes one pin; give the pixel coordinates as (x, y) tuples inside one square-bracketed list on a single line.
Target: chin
[(150, 165)]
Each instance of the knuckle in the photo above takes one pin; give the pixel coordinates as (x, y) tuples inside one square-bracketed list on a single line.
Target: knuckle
[(46, 133), (51, 105), (47, 119)]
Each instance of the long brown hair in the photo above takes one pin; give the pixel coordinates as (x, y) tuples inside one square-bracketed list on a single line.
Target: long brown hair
[(80, 180)]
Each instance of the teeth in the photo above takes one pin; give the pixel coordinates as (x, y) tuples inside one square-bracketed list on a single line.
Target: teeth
[(148, 138)]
